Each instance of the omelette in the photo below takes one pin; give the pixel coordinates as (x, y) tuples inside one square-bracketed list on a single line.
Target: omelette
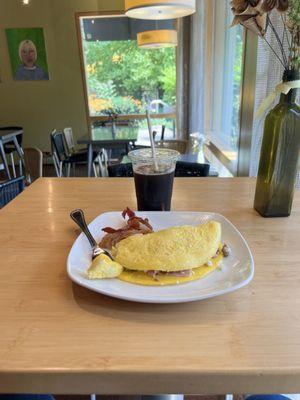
[(103, 267), (170, 256)]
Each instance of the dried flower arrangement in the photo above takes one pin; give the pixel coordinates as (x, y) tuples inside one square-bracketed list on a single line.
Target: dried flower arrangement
[(281, 141), (255, 16)]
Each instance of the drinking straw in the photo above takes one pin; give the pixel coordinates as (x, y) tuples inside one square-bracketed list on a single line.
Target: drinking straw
[(151, 138)]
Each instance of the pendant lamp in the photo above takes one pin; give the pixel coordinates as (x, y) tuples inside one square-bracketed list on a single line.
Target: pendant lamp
[(157, 39), (159, 9)]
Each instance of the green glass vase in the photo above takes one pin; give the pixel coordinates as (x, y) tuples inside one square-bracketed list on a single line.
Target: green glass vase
[(279, 156)]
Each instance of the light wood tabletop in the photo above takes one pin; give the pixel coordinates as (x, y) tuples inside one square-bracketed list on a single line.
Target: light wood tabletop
[(57, 337)]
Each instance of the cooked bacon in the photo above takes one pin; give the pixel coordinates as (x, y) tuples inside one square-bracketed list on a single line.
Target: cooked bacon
[(135, 221), (134, 226), (109, 230), (111, 239), (128, 212)]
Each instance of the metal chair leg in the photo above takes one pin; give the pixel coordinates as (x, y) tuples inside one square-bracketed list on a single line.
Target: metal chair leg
[(4, 160), (60, 169), (102, 161), (20, 167), (100, 165), (19, 150), (105, 161), (95, 170), (13, 164), (55, 164), (68, 170)]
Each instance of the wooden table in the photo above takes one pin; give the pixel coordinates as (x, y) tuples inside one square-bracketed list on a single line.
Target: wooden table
[(57, 337)]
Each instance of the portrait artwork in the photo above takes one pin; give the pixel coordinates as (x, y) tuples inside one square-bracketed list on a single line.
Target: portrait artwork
[(27, 53)]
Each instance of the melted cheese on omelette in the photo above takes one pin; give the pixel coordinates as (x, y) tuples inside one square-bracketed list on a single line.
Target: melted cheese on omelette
[(141, 278)]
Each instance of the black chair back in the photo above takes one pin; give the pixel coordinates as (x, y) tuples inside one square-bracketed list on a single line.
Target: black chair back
[(58, 144), (189, 170), (183, 169), (120, 170)]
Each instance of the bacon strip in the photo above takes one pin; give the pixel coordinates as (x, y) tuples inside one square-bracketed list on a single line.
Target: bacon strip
[(134, 226)]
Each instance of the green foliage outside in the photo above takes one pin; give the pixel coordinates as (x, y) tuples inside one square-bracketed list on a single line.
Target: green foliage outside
[(120, 76), (237, 78)]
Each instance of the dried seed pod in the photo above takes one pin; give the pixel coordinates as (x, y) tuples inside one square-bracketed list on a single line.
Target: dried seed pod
[(282, 5), (253, 23), (226, 250), (268, 5), (262, 23), (254, 3), (239, 5)]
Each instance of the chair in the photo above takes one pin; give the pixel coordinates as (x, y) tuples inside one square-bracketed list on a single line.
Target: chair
[(59, 152), (102, 162), (183, 169), (10, 189), (62, 158), (100, 157), (179, 145), (120, 170), (189, 170), (70, 143), (33, 163), (69, 138), (9, 148)]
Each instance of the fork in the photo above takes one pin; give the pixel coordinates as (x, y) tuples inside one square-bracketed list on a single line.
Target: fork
[(78, 217)]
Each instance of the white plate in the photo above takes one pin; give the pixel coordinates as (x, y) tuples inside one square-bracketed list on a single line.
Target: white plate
[(237, 270)]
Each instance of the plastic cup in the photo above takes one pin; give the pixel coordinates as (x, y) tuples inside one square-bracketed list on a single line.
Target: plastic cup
[(154, 178)]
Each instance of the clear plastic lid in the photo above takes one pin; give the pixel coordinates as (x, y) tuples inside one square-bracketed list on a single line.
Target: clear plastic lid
[(143, 161), (145, 155)]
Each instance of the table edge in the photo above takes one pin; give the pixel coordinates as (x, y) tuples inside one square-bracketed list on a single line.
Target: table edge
[(117, 382)]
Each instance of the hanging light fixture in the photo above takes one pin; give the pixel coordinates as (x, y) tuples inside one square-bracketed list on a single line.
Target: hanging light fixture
[(159, 9), (157, 39)]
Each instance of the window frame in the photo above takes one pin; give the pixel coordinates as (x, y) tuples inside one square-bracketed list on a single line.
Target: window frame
[(92, 119), (240, 166)]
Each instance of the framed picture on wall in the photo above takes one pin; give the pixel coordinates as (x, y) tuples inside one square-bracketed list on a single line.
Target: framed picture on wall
[(27, 54)]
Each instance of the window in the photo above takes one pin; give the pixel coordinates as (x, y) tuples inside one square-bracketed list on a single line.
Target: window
[(225, 89), (120, 77)]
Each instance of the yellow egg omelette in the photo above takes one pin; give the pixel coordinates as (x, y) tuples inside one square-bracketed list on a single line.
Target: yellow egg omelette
[(170, 256), (167, 257)]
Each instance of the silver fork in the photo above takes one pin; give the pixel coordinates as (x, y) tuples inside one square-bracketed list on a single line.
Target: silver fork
[(78, 217)]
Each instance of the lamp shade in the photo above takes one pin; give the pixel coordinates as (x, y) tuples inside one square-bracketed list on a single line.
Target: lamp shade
[(157, 39), (155, 9)]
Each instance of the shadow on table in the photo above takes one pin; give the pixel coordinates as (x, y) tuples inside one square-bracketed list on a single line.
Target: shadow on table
[(161, 314)]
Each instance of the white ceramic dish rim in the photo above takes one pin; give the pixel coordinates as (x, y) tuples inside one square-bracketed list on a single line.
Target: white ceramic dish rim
[(85, 282)]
